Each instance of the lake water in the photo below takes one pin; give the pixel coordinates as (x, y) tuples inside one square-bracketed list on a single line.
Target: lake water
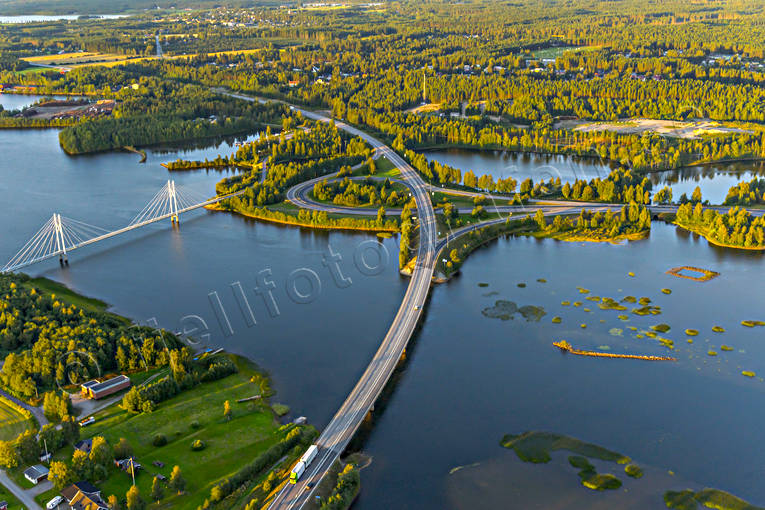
[(521, 165), (469, 379), (314, 351), (33, 18), (714, 180), (19, 101)]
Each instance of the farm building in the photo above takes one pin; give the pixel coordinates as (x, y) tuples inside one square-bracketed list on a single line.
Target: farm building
[(95, 389), (36, 473)]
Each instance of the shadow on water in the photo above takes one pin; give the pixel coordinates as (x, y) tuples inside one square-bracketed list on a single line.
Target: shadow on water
[(367, 426), (105, 250)]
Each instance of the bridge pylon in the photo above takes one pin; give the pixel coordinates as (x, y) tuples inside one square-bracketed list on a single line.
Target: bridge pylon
[(173, 203), (60, 244)]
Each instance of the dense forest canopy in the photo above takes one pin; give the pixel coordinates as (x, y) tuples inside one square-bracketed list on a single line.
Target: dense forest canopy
[(49, 342)]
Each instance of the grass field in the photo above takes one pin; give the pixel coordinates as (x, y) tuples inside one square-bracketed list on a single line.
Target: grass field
[(13, 503), (194, 414), (383, 168), (558, 51), (12, 423), (47, 286)]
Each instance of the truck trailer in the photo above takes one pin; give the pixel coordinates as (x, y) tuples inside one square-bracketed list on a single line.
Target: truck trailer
[(303, 463)]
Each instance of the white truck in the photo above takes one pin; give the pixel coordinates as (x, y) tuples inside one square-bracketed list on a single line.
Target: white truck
[(297, 472), (303, 463)]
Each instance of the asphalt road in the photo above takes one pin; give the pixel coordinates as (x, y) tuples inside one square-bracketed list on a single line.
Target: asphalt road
[(346, 421), (26, 498), (362, 397)]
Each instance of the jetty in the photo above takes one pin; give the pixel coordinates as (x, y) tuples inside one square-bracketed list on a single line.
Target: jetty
[(567, 347)]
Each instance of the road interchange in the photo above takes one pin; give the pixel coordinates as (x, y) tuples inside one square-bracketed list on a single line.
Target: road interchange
[(344, 424)]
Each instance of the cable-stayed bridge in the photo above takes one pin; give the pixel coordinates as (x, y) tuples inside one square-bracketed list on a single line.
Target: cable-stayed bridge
[(61, 235)]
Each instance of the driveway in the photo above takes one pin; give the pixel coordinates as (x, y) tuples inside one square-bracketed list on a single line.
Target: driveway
[(26, 497)]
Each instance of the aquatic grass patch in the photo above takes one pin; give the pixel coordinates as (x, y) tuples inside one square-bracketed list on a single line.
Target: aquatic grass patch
[(711, 353), (580, 462), (611, 304), (661, 328), (709, 498), (601, 482), (506, 310), (647, 310), (701, 275), (752, 324), (536, 446), (502, 309), (692, 332), (629, 299), (726, 348), (666, 342), (556, 320), (565, 303), (718, 329), (483, 284), (532, 313), (522, 285), (681, 500), (633, 471), (667, 291), (748, 373)]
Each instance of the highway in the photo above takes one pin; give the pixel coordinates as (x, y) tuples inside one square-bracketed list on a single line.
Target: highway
[(335, 437), (344, 424)]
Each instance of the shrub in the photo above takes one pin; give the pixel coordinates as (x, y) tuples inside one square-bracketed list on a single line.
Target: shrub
[(633, 471), (280, 409), (198, 445), (195, 425), (159, 440)]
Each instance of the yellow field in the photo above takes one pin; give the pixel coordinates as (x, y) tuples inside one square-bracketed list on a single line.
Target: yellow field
[(84, 59), (11, 422), (218, 53), (68, 59)]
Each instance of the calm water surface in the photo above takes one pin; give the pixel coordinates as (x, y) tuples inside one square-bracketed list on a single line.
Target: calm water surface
[(469, 379), (714, 180), (18, 101), (314, 351)]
